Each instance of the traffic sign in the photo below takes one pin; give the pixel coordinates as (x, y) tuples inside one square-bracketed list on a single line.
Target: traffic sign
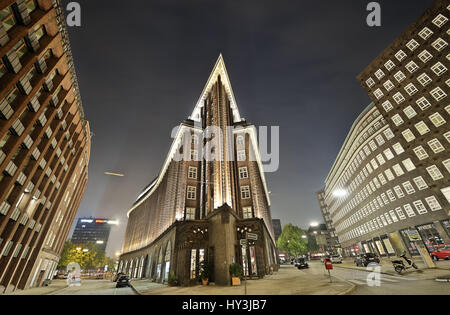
[(252, 236)]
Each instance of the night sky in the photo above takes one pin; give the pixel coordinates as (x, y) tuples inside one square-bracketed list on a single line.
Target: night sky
[(142, 65)]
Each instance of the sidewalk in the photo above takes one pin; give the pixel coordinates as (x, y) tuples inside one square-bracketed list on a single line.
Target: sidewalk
[(287, 281), (55, 286), (442, 268)]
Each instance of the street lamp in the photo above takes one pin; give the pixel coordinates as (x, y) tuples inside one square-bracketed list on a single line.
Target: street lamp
[(339, 192)]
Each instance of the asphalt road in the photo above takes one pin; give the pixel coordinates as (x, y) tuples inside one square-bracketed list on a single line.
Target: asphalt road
[(95, 287)]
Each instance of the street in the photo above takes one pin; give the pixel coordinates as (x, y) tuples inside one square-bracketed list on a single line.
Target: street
[(346, 279), (95, 287)]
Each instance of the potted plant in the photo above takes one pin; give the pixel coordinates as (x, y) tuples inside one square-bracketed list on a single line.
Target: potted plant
[(173, 280), (205, 269), (236, 274)]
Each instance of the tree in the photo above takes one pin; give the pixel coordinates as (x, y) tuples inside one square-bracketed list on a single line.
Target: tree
[(88, 256), (292, 242)]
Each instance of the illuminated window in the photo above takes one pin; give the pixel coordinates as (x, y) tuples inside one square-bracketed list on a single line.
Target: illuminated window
[(434, 172), (440, 20), (422, 128), (409, 112), (439, 44), (437, 119), (433, 203), (423, 103), (421, 153), (409, 165), (397, 119), (425, 33), (425, 56), (408, 135), (400, 55), (398, 170), (436, 146), (243, 173), (245, 192), (399, 98), (191, 192), (424, 79), (420, 183), (190, 213), (247, 212), (379, 74), (399, 76), (438, 68), (387, 106), (412, 67), (420, 207), (192, 173), (388, 85), (398, 148), (438, 94), (412, 44)]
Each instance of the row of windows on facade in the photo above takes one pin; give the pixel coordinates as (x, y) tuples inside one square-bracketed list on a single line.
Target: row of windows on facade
[(382, 200), (392, 216), (5, 206), (363, 136), (439, 44), (380, 179), (421, 127)]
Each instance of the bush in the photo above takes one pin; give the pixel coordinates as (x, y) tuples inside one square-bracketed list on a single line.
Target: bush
[(205, 270), (236, 270), (173, 280)]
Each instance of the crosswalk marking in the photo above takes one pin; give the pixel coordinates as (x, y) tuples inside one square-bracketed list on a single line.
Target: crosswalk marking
[(402, 278), (388, 280)]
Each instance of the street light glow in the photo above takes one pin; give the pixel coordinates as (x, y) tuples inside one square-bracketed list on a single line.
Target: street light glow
[(314, 224), (339, 193)]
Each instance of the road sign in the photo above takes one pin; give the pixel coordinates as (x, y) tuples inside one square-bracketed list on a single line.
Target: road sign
[(252, 236)]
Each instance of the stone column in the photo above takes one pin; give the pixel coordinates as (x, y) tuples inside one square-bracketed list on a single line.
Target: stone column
[(222, 236)]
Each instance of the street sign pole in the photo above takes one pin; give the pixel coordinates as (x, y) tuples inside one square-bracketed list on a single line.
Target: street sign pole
[(246, 262)]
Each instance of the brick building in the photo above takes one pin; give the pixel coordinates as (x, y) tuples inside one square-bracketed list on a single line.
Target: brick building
[(392, 173), (45, 141), (198, 210)]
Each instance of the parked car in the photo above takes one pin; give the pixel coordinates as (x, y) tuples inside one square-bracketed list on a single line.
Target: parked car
[(363, 260), (336, 259), (441, 253), (123, 281)]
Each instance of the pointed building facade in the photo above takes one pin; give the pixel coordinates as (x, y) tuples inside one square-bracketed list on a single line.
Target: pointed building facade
[(210, 192)]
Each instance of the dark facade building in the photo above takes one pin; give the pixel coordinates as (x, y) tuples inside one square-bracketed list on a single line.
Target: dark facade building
[(44, 141), (198, 209), (333, 245), (277, 229), (92, 230), (391, 177), (322, 237)]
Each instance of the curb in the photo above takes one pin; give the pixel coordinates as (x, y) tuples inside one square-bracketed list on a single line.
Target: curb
[(134, 289), (349, 290)]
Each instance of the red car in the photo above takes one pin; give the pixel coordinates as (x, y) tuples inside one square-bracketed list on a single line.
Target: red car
[(441, 253)]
